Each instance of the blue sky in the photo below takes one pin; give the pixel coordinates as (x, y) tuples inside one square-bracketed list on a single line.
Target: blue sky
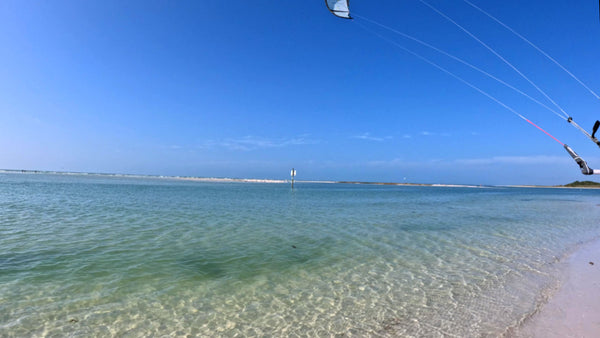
[(253, 88)]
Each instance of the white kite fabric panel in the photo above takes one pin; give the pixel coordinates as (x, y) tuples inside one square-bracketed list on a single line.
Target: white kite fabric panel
[(339, 8)]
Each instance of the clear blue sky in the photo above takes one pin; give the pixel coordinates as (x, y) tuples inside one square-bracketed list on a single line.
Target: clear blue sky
[(254, 88)]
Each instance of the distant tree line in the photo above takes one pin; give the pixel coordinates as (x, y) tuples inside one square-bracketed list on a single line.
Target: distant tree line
[(583, 184)]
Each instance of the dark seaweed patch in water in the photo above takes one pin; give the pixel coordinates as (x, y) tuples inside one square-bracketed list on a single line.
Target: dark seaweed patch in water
[(390, 325), (15, 262), (204, 267), (27, 261), (223, 263)]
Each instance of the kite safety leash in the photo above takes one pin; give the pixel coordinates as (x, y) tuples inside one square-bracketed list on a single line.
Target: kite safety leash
[(540, 128)]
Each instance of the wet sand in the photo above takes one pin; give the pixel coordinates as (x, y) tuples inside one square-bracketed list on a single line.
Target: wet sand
[(574, 311)]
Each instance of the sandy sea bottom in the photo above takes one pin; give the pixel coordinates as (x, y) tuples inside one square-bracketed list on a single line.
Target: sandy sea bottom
[(98, 256)]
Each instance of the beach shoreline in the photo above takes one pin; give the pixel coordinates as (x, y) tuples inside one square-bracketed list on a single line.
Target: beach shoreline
[(282, 181), (574, 309)]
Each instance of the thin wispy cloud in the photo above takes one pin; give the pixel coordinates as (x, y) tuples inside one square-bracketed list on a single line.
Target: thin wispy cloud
[(369, 137), (430, 133), (249, 143), (487, 161), (516, 160), (172, 147)]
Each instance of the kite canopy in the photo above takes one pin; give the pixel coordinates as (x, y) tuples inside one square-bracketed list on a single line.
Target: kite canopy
[(339, 8)]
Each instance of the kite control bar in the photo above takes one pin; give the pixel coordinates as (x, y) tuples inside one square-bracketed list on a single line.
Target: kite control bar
[(585, 169), (594, 130)]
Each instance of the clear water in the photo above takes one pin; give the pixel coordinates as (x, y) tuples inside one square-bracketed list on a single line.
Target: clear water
[(104, 256)]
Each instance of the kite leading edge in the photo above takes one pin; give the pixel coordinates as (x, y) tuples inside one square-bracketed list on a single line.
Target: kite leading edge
[(339, 8)]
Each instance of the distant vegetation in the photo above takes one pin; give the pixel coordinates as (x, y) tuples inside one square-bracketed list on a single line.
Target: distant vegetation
[(585, 184)]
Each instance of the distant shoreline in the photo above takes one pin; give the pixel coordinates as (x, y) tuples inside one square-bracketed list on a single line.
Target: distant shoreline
[(280, 181)]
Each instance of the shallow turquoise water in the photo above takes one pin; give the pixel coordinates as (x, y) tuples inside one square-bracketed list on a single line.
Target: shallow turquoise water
[(85, 255)]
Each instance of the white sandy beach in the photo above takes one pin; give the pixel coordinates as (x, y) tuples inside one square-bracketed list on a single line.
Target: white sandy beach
[(574, 311)]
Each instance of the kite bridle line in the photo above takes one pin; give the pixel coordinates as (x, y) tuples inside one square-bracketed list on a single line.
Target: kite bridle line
[(563, 116), (421, 57), (456, 58)]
